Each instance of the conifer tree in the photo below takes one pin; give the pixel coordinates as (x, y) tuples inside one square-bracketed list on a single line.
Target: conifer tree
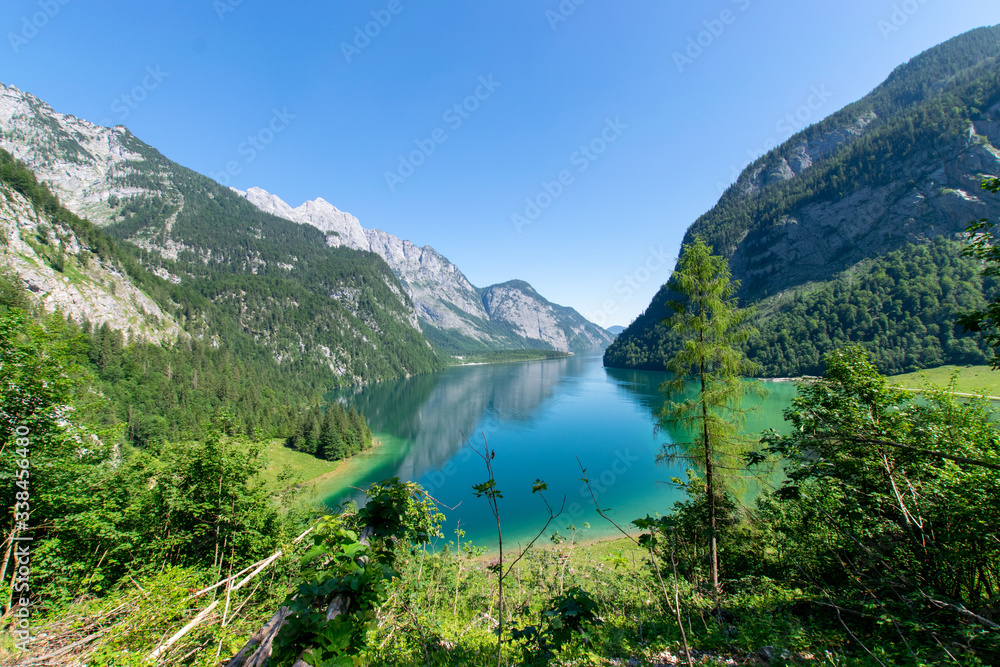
[(331, 447), (714, 329), (356, 430)]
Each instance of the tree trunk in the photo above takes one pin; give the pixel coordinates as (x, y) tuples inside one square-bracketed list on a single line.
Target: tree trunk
[(713, 547)]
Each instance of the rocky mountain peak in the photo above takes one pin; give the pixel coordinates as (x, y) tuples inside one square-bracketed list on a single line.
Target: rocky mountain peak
[(319, 213), (84, 164), (445, 299)]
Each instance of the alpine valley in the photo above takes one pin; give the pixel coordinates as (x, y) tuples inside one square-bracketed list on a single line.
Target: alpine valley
[(238, 431), (307, 286), (853, 230)]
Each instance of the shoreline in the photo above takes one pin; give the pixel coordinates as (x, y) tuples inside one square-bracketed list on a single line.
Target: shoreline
[(951, 393), (307, 489), (584, 544), (803, 378), (341, 464), (568, 355)]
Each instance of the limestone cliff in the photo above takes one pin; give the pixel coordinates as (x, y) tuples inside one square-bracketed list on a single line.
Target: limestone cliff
[(452, 311), (64, 275), (896, 171)]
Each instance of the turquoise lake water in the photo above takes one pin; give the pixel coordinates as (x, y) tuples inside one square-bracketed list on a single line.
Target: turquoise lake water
[(538, 417)]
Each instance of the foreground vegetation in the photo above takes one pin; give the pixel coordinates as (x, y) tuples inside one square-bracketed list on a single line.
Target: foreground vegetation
[(877, 550)]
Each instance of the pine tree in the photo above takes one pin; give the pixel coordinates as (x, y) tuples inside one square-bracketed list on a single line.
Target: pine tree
[(714, 329), (357, 430), (331, 447), (343, 429), (312, 431), (984, 247)]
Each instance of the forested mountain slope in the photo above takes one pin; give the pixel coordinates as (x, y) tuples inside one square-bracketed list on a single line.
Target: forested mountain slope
[(239, 275), (454, 314), (891, 178), (155, 380), (67, 265)]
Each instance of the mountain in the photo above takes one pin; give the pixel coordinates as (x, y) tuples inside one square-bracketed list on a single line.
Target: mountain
[(615, 330), (54, 255), (851, 230), (454, 314), (229, 272)]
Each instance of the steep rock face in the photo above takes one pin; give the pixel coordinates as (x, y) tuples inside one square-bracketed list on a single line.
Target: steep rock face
[(518, 305), (86, 288), (899, 169), (803, 153), (266, 279), (820, 239), (84, 164), (445, 299), (443, 296)]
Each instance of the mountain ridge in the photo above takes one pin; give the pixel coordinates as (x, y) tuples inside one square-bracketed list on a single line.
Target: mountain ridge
[(449, 306), (232, 272), (810, 211)]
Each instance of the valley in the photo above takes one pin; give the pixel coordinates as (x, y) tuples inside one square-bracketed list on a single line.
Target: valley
[(237, 431)]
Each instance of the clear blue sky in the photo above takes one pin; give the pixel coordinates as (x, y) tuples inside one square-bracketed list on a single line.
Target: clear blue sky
[(224, 66)]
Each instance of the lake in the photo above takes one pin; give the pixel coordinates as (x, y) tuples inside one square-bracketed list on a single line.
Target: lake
[(539, 417)]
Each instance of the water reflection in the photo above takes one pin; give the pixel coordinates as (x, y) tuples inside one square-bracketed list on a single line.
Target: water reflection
[(763, 412), (432, 412), (541, 418)]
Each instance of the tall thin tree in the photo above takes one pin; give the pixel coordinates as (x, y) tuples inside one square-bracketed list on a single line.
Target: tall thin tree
[(712, 328)]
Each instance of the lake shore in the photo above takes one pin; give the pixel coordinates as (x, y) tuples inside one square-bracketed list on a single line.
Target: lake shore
[(336, 472)]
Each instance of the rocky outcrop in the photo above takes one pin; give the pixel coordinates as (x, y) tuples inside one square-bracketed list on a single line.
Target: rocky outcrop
[(820, 239), (86, 289), (802, 153), (84, 164), (443, 296), (520, 307), (502, 317)]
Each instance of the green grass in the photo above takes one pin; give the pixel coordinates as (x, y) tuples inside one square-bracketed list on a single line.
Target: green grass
[(294, 467), (507, 356), (971, 379)]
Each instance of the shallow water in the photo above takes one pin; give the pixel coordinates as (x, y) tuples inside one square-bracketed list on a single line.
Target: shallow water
[(539, 417)]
